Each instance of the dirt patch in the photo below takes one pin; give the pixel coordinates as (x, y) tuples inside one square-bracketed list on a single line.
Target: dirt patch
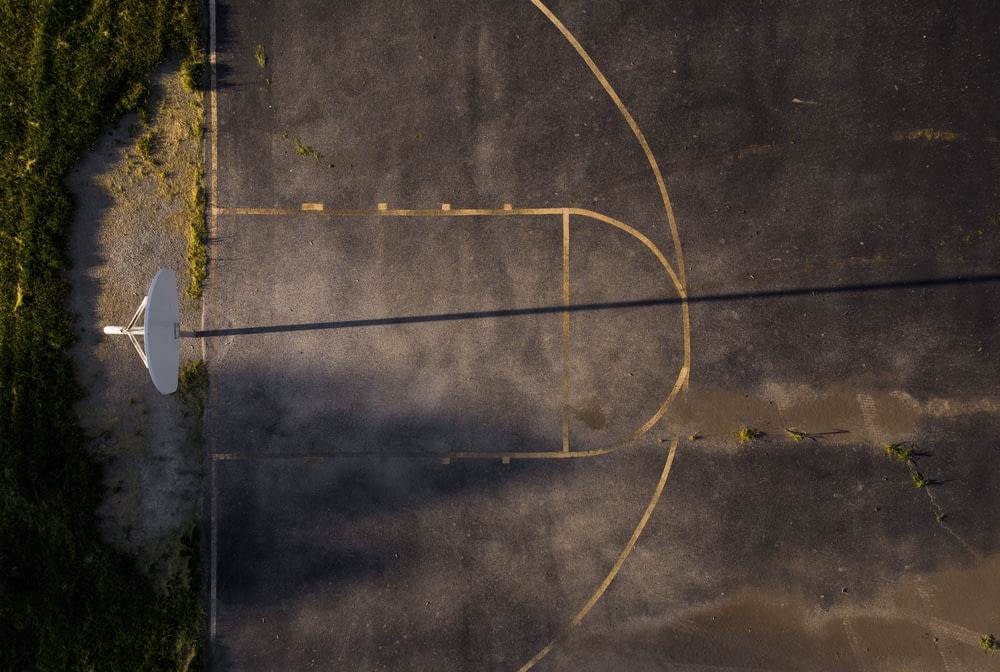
[(836, 413), (133, 198)]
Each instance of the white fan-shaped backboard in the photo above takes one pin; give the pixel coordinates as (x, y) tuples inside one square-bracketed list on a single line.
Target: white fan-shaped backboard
[(161, 331)]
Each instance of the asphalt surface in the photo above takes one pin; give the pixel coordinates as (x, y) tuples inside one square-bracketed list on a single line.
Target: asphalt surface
[(473, 401)]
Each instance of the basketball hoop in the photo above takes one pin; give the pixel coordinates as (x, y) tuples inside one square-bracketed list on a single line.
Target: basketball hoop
[(160, 332)]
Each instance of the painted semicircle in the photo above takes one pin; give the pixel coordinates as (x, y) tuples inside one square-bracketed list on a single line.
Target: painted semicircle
[(636, 342)]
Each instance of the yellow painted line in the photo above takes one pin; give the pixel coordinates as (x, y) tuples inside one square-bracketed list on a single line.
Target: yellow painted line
[(261, 211), (565, 333), (383, 210), (679, 279), (635, 130), (653, 501), (312, 206)]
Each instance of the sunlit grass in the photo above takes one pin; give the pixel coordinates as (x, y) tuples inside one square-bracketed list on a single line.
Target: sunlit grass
[(899, 451), (69, 601)]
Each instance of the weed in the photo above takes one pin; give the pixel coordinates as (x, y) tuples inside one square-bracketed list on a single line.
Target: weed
[(146, 147), (989, 643), (197, 131), (941, 517), (899, 451), (261, 56), (933, 135), (797, 435), (748, 434), (303, 149), (918, 479)]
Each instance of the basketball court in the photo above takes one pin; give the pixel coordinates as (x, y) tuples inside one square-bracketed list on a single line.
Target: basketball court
[(492, 289)]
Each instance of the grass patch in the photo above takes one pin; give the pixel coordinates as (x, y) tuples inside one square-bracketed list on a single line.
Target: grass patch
[(797, 435), (192, 386), (146, 147), (749, 434), (193, 73), (260, 56), (899, 451), (192, 393), (69, 602), (989, 643), (933, 135), (918, 479), (197, 238)]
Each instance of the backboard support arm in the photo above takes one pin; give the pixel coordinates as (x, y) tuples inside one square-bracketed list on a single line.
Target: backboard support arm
[(134, 330)]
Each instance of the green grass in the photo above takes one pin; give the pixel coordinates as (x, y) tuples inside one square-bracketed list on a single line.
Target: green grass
[(918, 479), (748, 434), (67, 601), (197, 238), (193, 73), (146, 147), (899, 451), (989, 643), (192, 386)]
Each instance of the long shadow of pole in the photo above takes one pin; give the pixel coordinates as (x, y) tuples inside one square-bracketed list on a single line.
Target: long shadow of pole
[(584, 307)]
